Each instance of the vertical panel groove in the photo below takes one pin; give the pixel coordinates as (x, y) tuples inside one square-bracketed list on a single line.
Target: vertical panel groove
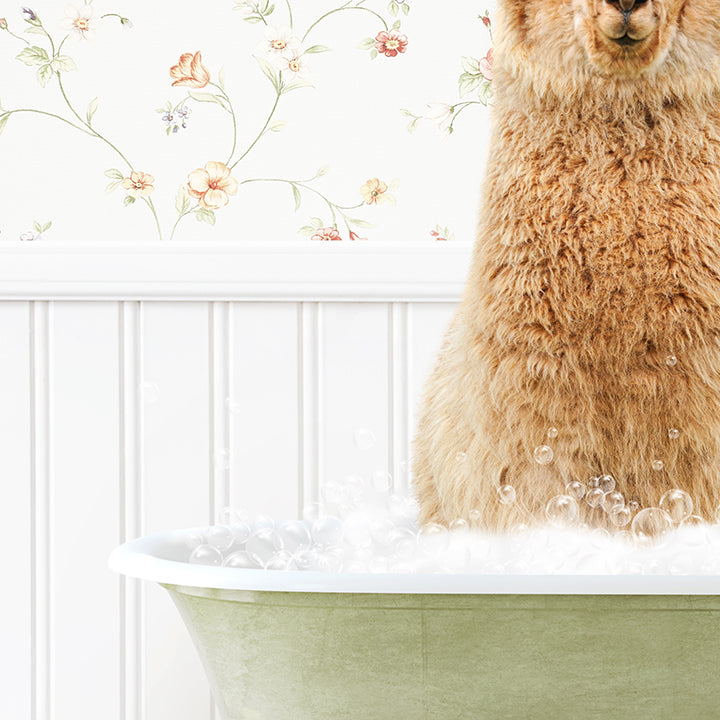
[(131, 630), (219, 373), (41, 504), (310, 400), (399, 394)]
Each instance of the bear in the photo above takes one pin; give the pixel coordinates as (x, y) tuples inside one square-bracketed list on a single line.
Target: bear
[(586, 344)]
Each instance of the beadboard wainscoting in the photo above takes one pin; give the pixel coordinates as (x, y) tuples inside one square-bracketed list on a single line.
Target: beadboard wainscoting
[(144, 387)]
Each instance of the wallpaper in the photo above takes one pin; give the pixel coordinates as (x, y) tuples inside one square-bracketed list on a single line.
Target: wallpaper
[(243, 120)]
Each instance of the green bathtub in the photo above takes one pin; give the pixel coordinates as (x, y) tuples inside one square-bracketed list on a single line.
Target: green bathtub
[(333, 646)]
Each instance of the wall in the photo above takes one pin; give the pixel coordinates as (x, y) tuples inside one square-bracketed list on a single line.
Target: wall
[(144, 389)]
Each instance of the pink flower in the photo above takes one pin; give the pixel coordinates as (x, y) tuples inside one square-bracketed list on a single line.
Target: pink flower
[(190, 71), (212, 185), (355, 236), (3, 24), (327, 233), (485, 19), (390, 42), (139, 183), (485, 65)]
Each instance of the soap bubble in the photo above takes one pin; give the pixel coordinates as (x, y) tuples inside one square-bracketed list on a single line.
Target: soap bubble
[(381, 529), (673, 433), (333, 494), (475, 514), (671, 360), (240, 559), (461, 457), (150, 392), (295, 536), (552, 433), (650, 525), (459, 524), (194, 538), (381, 481), (562, 510), (364, 438), (354, 486), (206, 555), (223, 459), (220, 537), (227, 516), (433, 538), (594, 497), (281, 560), (693, 521), (543, 454), (507, 494), (633, 506), (620, 516), (263, 522), (612, 501), (606, 483), (357, 530), (677, 504), (327, 530), (241, 532), (311, 510), (575, 489), (594, 481), (399, 505), (658, 465), (403, 541), (263, 544)]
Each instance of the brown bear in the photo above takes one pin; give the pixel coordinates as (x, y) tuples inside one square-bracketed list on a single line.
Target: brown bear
[(587, 340)]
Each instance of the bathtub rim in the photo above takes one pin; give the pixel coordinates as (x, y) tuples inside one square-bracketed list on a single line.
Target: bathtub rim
[(146, 558)]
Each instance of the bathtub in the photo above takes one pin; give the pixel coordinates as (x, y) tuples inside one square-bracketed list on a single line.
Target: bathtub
[(335, 646)]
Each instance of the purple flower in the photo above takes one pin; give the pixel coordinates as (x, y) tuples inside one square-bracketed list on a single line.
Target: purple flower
[(31, 16)]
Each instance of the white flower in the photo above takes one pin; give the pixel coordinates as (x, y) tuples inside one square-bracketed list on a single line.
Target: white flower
[(441, 114), (80, 23), (296, 64), (279, 43), (30, 236), (246, 7)]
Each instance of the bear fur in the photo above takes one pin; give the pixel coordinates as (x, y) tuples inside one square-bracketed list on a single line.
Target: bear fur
[(597, 261)]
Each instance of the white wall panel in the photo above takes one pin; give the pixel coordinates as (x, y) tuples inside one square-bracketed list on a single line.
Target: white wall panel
[(84, 511), (262, 407), (176, 472), (16, 511)]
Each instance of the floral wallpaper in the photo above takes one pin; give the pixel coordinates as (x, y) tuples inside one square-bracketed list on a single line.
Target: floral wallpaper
[(243, 120)]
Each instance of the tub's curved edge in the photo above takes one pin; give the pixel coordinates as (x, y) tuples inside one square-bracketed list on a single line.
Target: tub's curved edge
[(151, 558)]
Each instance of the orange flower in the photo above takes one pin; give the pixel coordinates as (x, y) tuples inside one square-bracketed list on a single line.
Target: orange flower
[(139, 183), (190, 71), (212, 185), (373, 191)]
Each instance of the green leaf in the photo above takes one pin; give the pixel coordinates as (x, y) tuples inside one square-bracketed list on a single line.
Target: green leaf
[(360, 223), (269, 71), (114, 174), (298, 198), (405, 8), (33, 55), (34, 30), (221, 78), (396, 25), (295, 84), (3, 121), (324, 170), (373, 53), (37, 226), (467, 83), (182, 200), (63, 63), (485, 94), (317, 49), (307, 230), (393, 8), (471, 65), (203, 215), (46, 226), (252, 19), (277, 126), (111, 186), (128, 200), (394, 184), (91, 110), (412, 126), (316, 222), (44, 74), (367, 44), (209, 98)]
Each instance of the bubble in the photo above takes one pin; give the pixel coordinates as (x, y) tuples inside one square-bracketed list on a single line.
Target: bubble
[(241, 532), (658, 465), (459, 524), (240, 559), (461, 457), (306, 559), (562, 510), (671, 360), (575, 489), (220, 537), (650, 525), (364, 438), (403, 543), (228, 516), (357, 531), (433, 538), (620, 516), (693, 521), (223, 459), (552, 433), (507, 494), (381, 481), (633, 506), (263, 544), (206, 555), (233, 406), (543, 454), (677, 504), (606, 483), (354, 486), (594, 481), (594, 497), (295, 536), (673, 433), (475, 514), (281, 560), (194, 538), (612, 501), (399, 506), (327, 530), (150, 392), (311, 510), (381, 529), (263, 522)]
